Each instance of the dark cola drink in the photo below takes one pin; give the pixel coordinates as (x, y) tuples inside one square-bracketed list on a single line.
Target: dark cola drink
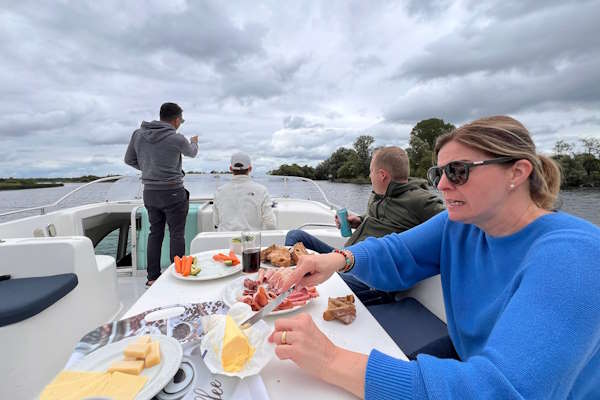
[(250, 261)]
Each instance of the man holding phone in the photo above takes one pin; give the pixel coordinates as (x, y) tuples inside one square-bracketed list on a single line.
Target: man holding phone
[(156, 149)]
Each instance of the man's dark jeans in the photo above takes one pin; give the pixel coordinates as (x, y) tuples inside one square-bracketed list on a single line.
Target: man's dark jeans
[(366, 294), (170, 206)]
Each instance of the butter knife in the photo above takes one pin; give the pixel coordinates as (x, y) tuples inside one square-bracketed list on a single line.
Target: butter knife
[(266, 309)]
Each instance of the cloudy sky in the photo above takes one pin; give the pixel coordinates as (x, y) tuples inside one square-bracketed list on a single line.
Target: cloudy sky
[(284, 81)]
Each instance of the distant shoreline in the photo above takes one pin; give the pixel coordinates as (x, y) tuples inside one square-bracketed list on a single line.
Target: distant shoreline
[(28, 185)]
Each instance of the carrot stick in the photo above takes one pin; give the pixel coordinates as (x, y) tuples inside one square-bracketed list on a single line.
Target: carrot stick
[(233, 257), (186, 269), (177, 261), (188, 265)]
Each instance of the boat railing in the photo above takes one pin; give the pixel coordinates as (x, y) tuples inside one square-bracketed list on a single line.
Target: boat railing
[(330, 204), (316, 224), (43, 208), (285, 179)]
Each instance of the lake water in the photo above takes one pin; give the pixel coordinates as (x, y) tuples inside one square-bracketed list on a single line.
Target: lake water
[(584, 203)]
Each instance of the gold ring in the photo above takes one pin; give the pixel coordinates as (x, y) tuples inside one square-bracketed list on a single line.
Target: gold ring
[(283, 334)]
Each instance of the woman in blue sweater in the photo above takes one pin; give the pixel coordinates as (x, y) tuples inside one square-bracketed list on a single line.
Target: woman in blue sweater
[(521, 283)]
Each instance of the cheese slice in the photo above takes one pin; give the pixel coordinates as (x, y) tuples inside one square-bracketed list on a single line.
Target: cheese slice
[(137, 350), (66, 387), (236, 348), (123, 386), (69, 376), (88, 390), (153, 356), (127, 367)]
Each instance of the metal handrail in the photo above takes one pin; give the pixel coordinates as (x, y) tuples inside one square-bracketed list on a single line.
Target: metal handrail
[(318, 224), (57, 202), (330, 204)]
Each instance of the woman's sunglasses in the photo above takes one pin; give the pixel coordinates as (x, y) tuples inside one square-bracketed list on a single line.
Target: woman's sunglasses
[(457, 172)]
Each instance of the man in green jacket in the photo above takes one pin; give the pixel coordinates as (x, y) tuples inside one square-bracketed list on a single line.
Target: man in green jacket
[(397, 203)]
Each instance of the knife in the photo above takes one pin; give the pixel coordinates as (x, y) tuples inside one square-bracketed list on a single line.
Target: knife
[(267, 309)]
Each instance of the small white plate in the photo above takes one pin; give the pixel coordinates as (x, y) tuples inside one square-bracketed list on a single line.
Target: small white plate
[(209, 268), (234, 290), (258, 334), (158, 376)]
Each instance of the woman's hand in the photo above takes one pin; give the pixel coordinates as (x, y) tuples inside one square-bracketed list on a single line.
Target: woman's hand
[(311, 350), (312, 270), (304, 344)]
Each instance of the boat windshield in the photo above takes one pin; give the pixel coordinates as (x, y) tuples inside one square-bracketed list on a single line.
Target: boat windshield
[(203, 186)]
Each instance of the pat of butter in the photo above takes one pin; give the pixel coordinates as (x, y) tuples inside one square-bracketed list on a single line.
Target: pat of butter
[(153, 356), (236, 348), (127, 367), (137, 350)]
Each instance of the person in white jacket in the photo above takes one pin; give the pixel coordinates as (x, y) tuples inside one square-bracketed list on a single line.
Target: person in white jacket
[(242, 204)]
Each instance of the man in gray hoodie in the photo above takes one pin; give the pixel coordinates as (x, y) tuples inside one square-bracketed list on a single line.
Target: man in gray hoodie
[(156, 149)]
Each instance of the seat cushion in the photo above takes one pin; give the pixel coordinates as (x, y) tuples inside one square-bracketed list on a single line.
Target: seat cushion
[(23, 298), (411, 325)]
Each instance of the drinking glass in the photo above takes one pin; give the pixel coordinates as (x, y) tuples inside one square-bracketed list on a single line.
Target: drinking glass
[(250, 252)]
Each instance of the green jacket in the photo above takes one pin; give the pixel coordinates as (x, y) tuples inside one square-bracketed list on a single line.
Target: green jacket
[(403, 206)]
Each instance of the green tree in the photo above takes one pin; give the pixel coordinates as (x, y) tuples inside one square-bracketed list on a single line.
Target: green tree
[(591, 146), (339, 158), (294, 170), (422, 141), (562, 148), (362, 146), (322, 170), (573, 173), (351, 168)]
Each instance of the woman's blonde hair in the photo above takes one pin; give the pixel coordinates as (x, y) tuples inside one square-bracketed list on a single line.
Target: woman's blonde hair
[(502, 136)]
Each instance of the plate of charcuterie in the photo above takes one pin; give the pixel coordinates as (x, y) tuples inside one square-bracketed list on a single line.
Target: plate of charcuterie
[(258, 289)]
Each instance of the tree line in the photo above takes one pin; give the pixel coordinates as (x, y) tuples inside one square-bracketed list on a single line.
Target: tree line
[(352, 165)]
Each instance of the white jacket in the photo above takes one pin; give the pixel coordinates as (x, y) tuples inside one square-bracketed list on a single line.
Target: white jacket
[(242, 205)]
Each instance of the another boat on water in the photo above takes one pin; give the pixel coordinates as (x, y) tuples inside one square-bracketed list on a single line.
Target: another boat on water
[(61, 288)]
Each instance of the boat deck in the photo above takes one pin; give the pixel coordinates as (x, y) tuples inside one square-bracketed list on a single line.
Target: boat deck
[(130, 289)]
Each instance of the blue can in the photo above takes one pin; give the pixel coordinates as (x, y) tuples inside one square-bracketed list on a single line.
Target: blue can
[(342, 214)]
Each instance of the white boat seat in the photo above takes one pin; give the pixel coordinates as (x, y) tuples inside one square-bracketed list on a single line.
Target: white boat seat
[(23, 298), (105, 263), (39, 346)]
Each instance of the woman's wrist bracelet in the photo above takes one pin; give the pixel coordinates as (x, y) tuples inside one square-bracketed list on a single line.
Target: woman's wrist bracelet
[(348, 257)]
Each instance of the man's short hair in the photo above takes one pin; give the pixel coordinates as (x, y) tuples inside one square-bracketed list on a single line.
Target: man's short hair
[(394, 160), (170, 111)]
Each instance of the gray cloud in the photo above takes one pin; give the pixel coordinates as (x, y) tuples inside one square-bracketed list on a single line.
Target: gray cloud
[(426, 8), (297, 122), (458, 100), (537, 42)]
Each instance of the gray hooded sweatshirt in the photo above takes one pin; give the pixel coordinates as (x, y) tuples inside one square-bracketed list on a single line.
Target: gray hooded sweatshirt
[(155, 149)]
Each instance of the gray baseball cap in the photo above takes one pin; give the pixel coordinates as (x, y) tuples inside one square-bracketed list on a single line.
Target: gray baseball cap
[(240, 161)]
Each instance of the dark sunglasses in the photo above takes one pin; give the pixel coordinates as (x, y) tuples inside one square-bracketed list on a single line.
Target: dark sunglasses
[(457, 172)]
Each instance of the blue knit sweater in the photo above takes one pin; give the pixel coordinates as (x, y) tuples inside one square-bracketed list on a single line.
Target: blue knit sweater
[(523, 310)]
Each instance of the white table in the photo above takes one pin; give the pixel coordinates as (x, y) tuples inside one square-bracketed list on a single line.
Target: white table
[(283, 379)]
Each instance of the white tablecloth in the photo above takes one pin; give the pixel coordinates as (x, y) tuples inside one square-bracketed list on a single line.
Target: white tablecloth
[(283, 379)]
